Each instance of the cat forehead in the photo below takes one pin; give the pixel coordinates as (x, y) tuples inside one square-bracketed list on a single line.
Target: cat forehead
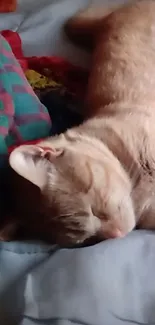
[(56, 141), (72, 139)]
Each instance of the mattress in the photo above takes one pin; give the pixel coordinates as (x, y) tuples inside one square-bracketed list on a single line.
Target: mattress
[(111, 283)]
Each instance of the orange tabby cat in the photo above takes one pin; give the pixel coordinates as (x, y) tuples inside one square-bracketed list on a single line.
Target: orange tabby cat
[(98, 178)]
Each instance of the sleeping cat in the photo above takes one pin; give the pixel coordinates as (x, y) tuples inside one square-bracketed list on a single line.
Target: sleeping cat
[(98, 179)]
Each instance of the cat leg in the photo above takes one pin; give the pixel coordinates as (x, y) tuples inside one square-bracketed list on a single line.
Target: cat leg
[(82, 28)]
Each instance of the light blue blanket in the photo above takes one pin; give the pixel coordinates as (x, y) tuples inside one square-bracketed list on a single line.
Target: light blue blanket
[(111, 283)]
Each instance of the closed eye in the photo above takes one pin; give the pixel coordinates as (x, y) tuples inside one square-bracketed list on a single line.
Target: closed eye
[(103, 216)]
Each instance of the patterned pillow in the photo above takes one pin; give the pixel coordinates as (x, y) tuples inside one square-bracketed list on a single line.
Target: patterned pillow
[(22, 116)]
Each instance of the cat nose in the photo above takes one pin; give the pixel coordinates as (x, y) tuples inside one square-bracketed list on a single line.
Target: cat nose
[(115, 233), (111, 232), (118, 233)]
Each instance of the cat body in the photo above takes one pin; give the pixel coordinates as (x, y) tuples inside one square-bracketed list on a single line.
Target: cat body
[(98, 179)]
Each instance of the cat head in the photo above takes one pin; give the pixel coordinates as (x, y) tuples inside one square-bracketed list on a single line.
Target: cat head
[(84, 190)]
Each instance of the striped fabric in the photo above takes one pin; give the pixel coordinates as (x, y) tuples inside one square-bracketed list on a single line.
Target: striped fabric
[(22, 116)]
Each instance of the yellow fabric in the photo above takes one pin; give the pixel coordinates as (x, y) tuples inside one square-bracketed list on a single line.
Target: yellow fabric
[(38, 81)]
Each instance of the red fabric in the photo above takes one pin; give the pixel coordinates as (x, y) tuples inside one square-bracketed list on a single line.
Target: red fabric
[(73, 78), (28, 142), (14, 40), (8, 5)]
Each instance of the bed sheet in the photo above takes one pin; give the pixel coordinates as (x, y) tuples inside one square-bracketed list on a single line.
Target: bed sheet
[(111, 283)]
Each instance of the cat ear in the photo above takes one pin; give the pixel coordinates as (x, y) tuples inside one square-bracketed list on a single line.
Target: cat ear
[(50, 153), (28, 162)]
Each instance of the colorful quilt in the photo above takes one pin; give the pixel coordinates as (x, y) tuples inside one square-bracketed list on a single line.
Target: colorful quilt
[(59, 85), (22, 116)]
